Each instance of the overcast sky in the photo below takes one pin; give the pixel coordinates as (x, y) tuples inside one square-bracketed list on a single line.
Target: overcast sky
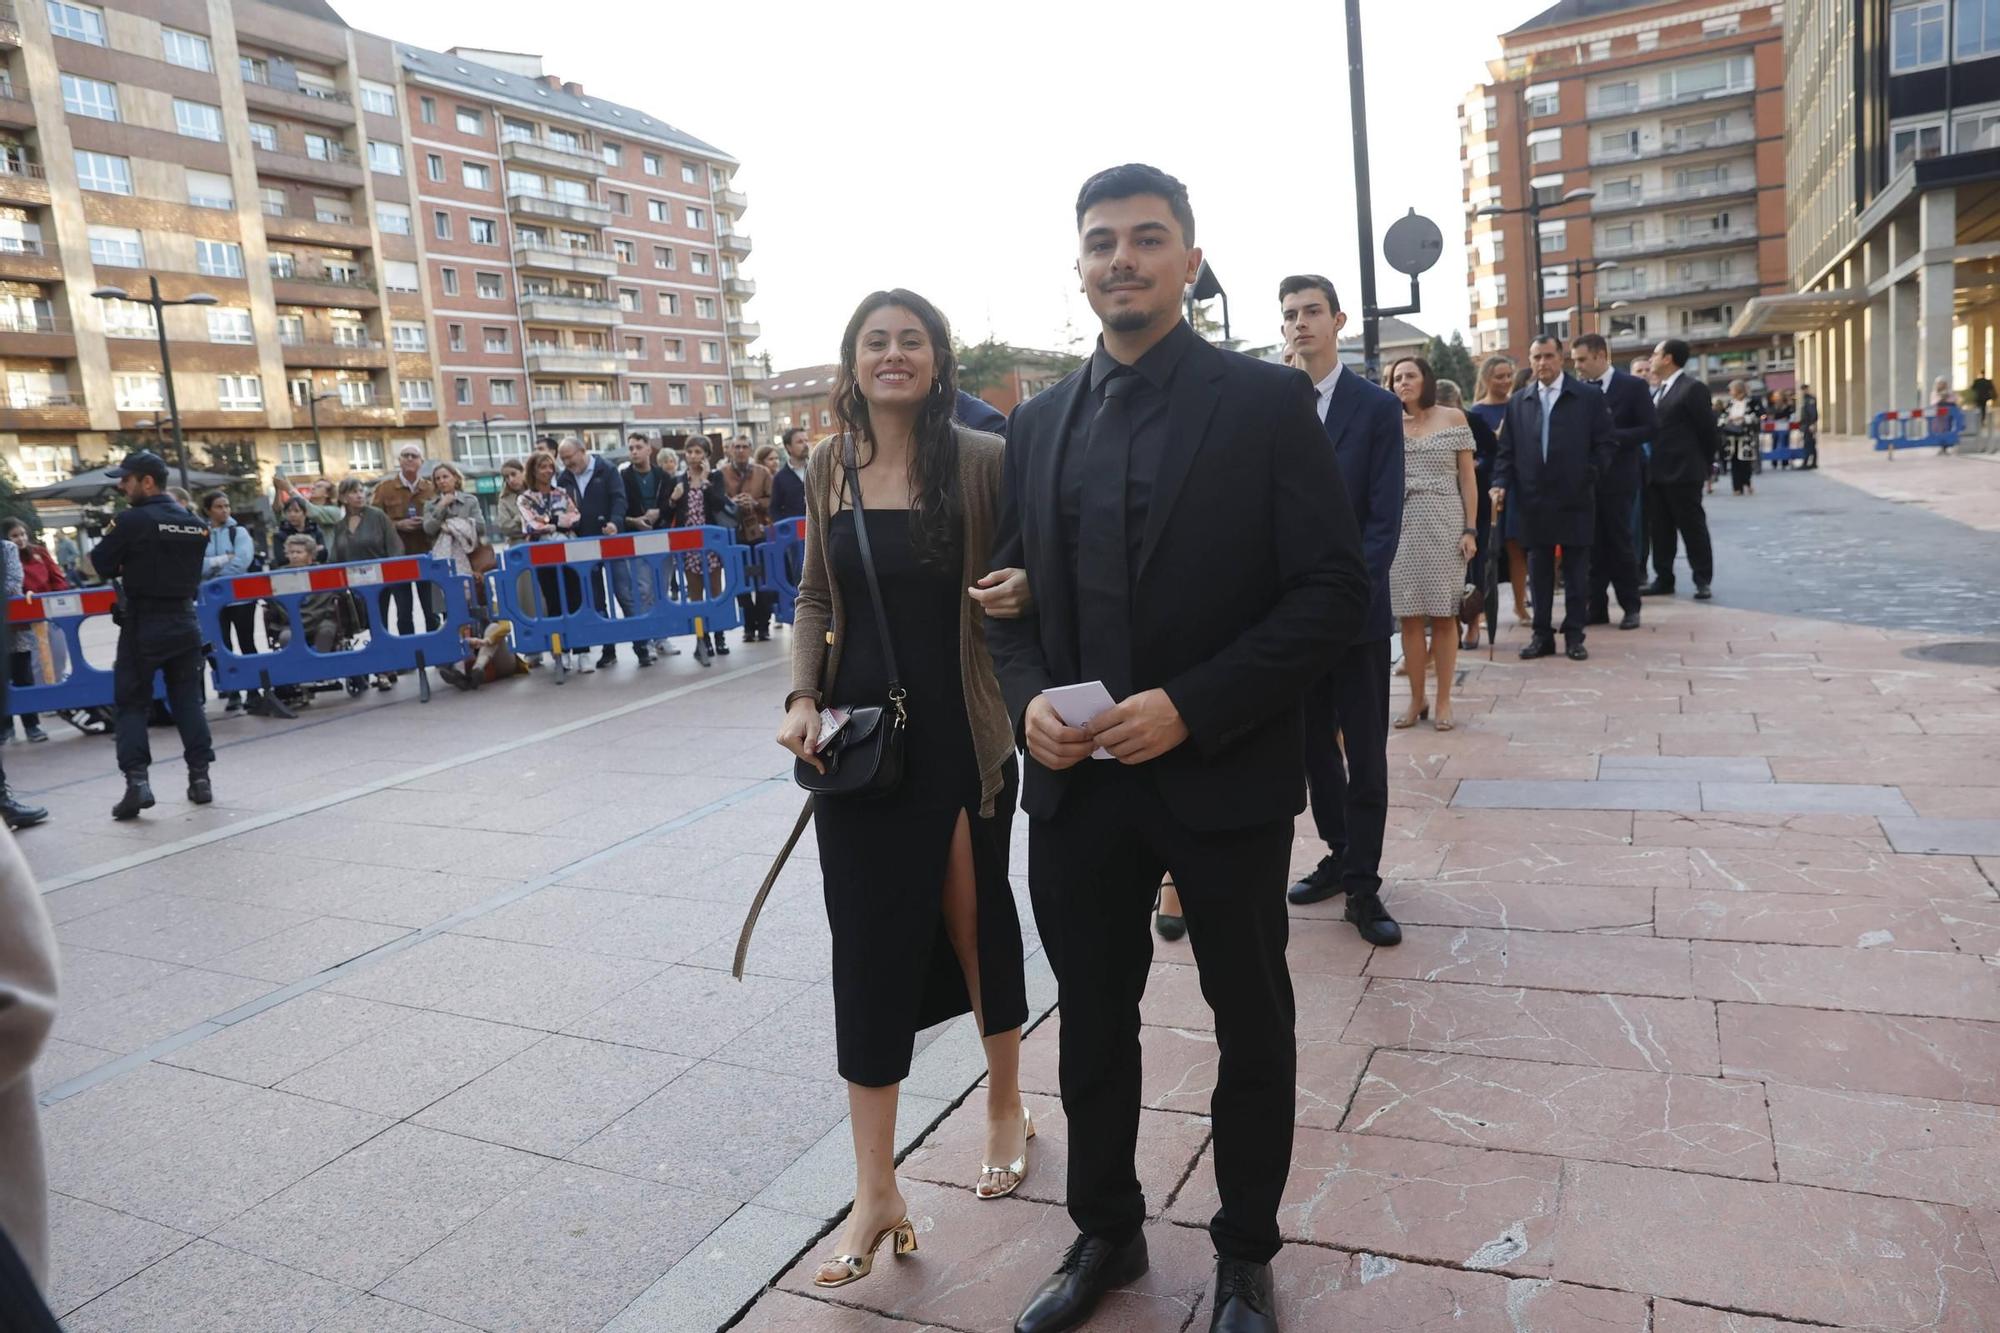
[(940, 147)]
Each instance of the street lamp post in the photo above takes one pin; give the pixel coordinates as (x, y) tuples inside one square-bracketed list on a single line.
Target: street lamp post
[(313, 401), (1579, 269), (1533, 211), (159, 305)]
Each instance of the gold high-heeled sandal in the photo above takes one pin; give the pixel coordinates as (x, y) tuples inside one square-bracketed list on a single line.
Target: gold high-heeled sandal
[(1408, 720), (1018, 1168), (853, 1267)]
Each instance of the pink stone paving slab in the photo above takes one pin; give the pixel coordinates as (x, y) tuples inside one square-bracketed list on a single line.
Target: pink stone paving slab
[(977, 1263), (1327, 947), (1676, 1121), (1334, 1291), (1557, 863), (1531, 766), (1874, 1143), (1557, 1027), (1872, 874), (1778, 1250), (1613, 964), (1562, 827), (1432, 1201), (1522, 906), (783, 1312), (1947, 1058), (1421, 793), (1715, 829), (1974, 923), (1942, 985), (1951, 802), (1849, 922), (1673, 1317)]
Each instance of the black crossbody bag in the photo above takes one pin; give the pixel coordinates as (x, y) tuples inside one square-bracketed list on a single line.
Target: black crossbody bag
[(866, 757)]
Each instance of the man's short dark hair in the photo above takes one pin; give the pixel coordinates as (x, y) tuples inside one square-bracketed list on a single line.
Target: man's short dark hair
[(1546, 338), (638, 437), (1677, 351), (1133, 179), (1591, 342), (1305, 282), (791, 431)]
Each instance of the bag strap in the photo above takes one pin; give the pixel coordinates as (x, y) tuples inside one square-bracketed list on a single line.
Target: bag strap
[(764, 890), (896, 694)]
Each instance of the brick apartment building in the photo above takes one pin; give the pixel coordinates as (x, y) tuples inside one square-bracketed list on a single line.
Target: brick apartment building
[(1636, 150), (447, 247)]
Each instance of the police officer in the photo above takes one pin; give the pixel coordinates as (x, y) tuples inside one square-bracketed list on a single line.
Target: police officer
[(157, 548)]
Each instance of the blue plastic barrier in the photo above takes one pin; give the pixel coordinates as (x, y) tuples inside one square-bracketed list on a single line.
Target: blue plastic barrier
[(1917, 429), (64, 613), (297, 662), (783, 556), (1777, 442), (574, 617)]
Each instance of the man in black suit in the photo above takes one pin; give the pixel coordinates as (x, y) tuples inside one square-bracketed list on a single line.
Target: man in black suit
[(1613, 568), (788, 487), (1554, 445), (1685, 447), (1190, 544), (1348, 708)]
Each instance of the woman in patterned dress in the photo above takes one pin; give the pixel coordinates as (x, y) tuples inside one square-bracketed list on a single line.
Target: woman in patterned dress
[(1440, 504)]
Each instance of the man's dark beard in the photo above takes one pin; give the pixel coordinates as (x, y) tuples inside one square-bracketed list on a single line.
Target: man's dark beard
[(1128, 321)]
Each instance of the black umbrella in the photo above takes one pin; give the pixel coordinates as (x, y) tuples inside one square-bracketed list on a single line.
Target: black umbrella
[(98, 481)]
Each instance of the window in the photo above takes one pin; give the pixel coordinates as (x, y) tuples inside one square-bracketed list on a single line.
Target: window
[(79, 23), (663, 256), (441, 225), (379, 98), (650, 164), (455, 336), (697, 218), (427, 110), (481, 231), (1914, 143), (1616, 145), (625, 251), (208, 189), (470, 122), (393, 219), (186, 49), (690, 174), (1649, 40), (282, 264), (386, 158), (116, 247), (323, 148), (433, 167), (614, 155), (635, 349), (496, 339), (1544, 99), (219, 259), (332, 208), (264, 136), (89, 97), (638, 392), (1617, 96), (126, 319), (673, 349), (621, 202), (659, 210), (364, 454), (461, 390), (1545, 145), (356, 393), (711, 352), (669, 302), (474, 176), (239, 393), (500, 393), (1547, 189), (103, 172), (399, 275), (677, 395), (704, 307), (491, 287), (1490, 247), (1552, 236), (1726, 26), (417, 395), (711, 395), (348, 331), (566, 141), (1975, 129), (298, 458), (198, 120), (137, 393), (408, 337), (448, 279), (701, 261), (1600, 49), (1555, 284)]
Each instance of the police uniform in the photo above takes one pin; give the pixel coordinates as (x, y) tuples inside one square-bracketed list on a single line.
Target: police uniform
[(156, 548)]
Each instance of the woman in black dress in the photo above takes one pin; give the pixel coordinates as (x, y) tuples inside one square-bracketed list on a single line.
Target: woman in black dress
[(922, 914)]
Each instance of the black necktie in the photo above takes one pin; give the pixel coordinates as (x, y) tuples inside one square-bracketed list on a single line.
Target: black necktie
[(1103, 581)]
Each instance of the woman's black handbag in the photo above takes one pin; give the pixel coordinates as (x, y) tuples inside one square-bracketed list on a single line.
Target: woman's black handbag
[(865, 758)]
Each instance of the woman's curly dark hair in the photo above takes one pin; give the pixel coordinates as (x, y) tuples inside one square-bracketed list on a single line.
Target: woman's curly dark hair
[(935, 504)]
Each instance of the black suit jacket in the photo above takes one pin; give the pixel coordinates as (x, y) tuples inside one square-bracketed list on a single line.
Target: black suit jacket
[(1633, 423), (1556, 499), (1687, 442), (788, 494), (1365, 423), (1250, 580), (600, 499)]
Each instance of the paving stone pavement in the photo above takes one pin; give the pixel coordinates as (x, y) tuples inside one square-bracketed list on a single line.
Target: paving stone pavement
[(427, 1026)]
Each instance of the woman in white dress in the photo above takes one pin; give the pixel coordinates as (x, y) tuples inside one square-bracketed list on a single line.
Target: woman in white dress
[(1440, 507)]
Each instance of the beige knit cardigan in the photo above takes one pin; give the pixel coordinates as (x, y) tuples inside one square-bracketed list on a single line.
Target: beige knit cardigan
[(27, 1012), (819, 621)]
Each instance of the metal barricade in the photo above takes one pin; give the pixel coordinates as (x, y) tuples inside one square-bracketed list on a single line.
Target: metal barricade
[(783, 554), (297, 662), (544, 610), (1919, 428)]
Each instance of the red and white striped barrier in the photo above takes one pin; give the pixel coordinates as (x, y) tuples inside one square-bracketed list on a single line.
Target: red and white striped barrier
[(580, 550), (325, 578)]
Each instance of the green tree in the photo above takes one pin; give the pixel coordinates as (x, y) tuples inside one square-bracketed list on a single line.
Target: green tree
[(1452, 361), (11, 503), (984, 365)]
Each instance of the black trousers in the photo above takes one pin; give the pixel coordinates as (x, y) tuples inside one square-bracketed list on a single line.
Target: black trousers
[(1614, 569), (1350, 793), (21, 670), (1676, 515), (399, 595), (169, 643), (1092, 873), (1576, 590)]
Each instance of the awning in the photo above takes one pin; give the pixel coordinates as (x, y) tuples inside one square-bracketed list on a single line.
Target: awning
[(1792, 312)]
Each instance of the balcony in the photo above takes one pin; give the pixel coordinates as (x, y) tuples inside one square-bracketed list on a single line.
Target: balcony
[(585, 213), (370, 413), (732, 201), (746, 329), (21, 180), (578, 411), (327, 110), (552, 309), (319, 288), (1674, 146), (33, 410), (29, 260), (741, 287), (735, 244), (45, 337), (350, 355), (574, 361), (757, 414), (518, 150), (10, 27), (1666, 245), (1739, 183), (1725, 282), (348, 234), (1693, 331), (15, 109), (541, 258), (1606, 110), (337, 167)]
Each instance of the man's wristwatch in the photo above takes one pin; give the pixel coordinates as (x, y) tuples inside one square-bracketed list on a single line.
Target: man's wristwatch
[(1468, 532)]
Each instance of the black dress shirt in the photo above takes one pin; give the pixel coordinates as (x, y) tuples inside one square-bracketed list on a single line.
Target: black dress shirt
[(1147, 406)]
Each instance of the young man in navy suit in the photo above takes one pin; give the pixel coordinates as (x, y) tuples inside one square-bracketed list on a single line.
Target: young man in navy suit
[(1614, 568), (1348, 708)]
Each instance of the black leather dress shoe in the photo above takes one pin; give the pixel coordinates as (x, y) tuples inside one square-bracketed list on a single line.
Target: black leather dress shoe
[(1631, 620), (1702, 594), (1657, 589), (1576, 652), (1317, 887), (1538, 648), (1372, 919), (1244, 1301), (1092, 1267)]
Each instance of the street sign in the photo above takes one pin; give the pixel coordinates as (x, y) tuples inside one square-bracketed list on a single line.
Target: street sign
[(1412, 244)]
